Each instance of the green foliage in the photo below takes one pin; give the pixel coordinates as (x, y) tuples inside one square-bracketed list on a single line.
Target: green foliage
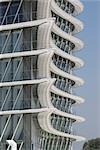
[(93, 144)]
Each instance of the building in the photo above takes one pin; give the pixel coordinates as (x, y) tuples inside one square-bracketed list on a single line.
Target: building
[(37, 60)]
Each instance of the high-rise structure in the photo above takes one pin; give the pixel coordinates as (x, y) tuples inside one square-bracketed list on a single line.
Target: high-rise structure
[(37, 60)]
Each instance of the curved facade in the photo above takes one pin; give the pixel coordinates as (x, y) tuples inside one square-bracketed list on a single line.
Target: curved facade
[(36, 80)]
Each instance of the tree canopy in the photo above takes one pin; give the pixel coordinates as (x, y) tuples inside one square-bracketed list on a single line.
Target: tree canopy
[(93, 144)]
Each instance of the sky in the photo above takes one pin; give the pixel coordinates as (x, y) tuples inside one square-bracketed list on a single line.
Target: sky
[(90, 72)]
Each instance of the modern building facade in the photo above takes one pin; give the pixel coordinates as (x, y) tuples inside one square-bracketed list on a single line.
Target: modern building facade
[(37, 60)]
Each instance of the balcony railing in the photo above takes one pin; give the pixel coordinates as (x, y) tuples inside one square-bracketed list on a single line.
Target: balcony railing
[(66, 6)]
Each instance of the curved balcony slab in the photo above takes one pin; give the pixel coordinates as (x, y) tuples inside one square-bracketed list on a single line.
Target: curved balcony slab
[(59, 92), (77, 119), (46, 65), (77, 23), (45, 123), (78, 62), (79, 7), (78, 43), (45, 101), (78, 81)]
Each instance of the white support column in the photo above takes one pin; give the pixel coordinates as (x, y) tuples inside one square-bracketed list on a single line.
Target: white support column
[(13, 144)]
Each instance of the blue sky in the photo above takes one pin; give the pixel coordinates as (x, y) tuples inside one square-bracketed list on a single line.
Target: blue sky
[(91, 72)]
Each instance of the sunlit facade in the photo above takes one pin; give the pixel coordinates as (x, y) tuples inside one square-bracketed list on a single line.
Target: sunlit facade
[(37, 60)]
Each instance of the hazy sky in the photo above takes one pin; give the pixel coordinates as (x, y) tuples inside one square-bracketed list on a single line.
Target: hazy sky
[(91, 71)]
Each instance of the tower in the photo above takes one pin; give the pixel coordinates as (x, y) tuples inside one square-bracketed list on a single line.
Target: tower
[(37, 62)]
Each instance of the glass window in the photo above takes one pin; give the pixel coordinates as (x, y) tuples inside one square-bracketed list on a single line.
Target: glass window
[(17, 40), (12, 12), (3, 7), (3, 37)]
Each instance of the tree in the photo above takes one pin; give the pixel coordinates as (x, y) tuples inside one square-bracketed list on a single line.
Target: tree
[(93, 144)]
